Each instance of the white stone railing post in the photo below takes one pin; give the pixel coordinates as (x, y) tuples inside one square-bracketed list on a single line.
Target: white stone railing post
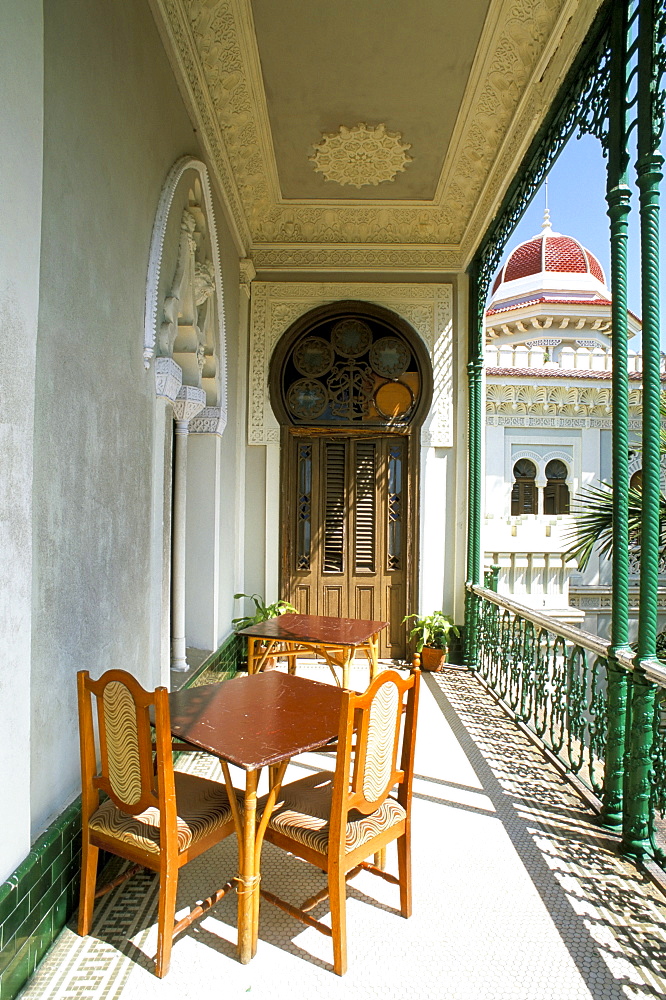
[(188, 403)]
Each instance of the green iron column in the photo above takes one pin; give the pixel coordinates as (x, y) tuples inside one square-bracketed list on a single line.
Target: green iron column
[(618, 200), (474, 378), (637, 819)]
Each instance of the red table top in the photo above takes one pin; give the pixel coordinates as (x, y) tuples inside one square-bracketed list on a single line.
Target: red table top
[(315, 628), (257, 720)]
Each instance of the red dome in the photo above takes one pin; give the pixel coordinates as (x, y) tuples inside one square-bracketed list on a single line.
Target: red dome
[(549, 252)]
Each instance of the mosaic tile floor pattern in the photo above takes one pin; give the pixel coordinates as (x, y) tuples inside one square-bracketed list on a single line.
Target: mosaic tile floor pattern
[(517, 895)]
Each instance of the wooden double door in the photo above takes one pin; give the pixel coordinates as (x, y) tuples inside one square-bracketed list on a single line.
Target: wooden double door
[(347, 528)]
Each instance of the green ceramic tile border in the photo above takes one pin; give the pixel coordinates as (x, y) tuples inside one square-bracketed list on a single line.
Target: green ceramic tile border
[(38, 899), (222, 664)]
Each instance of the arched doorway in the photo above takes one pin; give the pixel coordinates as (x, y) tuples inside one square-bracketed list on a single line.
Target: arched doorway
[(351, 384)]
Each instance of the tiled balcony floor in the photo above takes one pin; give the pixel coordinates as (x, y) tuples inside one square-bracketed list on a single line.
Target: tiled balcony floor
[(517, 894)]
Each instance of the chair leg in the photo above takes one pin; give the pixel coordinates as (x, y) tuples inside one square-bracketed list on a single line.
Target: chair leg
[(405, 873), (165, 919), (337, 889), (89, 856)]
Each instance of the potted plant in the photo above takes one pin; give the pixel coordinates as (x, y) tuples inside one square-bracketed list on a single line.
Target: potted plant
[(432, 634), (262, 612)]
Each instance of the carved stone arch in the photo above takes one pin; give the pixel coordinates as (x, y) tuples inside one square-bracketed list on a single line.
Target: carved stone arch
[(532, 456), (185, 281), (351, 309)]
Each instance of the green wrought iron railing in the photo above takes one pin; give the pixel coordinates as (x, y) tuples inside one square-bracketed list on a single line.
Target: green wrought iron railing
[(554, 678)]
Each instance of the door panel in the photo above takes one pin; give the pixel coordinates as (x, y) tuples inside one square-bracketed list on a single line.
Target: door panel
[(345, 509)]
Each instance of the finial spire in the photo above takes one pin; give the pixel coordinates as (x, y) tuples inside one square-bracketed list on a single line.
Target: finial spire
[(545, 225)]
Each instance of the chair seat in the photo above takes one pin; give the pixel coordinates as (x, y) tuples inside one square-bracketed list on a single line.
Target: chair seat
[(202, 807), (304, 807)]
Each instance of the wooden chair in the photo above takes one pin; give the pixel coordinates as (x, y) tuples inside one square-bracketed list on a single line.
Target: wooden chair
[(336, 820), (154, 816)]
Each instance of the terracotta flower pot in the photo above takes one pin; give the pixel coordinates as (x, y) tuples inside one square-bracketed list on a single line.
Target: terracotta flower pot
[(432, 659)]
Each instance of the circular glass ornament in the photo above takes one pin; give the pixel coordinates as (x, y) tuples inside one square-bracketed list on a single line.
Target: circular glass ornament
[(351, 337), (389, 357), (393, 400), (313, 356), (307, 399)]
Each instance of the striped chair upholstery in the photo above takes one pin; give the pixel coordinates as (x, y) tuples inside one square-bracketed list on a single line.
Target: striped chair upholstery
[(304, 812), (203, 806)]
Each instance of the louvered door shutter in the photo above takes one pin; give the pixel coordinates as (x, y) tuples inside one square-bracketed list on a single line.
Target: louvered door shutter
[(335, 504), (365, 474)]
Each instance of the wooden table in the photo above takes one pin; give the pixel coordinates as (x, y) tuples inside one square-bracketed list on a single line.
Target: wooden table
[(334, 639), (253, 722)]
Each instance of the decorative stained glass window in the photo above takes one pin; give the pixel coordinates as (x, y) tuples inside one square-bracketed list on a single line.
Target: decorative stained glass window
[(351, 372), (394, 549), (304, 507)]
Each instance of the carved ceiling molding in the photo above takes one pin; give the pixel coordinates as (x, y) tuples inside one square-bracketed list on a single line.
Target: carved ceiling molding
[(357, 259), (214, 47), (276, 305), (570, 27)]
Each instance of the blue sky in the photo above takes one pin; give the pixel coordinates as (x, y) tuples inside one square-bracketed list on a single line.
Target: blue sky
[(577, 202)]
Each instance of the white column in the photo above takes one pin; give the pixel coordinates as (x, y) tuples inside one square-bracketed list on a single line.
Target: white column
[(189, 401)]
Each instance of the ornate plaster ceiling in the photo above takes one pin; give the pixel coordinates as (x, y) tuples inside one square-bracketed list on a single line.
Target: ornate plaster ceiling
[(461, 86)]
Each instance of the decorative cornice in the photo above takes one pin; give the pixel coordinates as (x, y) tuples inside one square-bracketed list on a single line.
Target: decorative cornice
[(168, 378), (427, 307), (214, 48)]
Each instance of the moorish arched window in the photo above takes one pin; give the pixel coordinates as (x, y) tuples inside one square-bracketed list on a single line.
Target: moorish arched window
[(524, 492), (556, 491)]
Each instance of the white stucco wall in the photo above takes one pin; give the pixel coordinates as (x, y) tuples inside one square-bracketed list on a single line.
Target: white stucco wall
[(21, 134), (115, 123)]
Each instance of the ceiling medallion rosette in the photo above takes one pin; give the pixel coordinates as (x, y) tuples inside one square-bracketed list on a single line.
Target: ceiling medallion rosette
[(364, 154)]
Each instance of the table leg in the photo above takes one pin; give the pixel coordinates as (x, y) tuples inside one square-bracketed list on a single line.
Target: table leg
[(348, 657), (374, 655), (248, 877), (250, 654)]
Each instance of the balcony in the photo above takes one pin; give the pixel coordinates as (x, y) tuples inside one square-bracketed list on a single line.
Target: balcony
[(518, 890)]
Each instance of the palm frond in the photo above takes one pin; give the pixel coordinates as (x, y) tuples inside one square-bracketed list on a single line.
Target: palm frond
[(592, 511)]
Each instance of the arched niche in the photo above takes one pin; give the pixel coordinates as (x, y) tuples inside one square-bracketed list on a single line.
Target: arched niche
[(184, 315)]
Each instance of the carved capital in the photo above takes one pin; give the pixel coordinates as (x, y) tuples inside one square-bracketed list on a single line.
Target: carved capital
[(211, 420), (189, 401), (248, 273), (168, 378)]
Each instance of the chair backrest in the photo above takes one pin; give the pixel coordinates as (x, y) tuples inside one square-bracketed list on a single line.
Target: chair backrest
[(384, 721), (125, 743)]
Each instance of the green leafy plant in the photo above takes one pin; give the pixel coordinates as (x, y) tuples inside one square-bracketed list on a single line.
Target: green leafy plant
[(432, 630), (262, 611)]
